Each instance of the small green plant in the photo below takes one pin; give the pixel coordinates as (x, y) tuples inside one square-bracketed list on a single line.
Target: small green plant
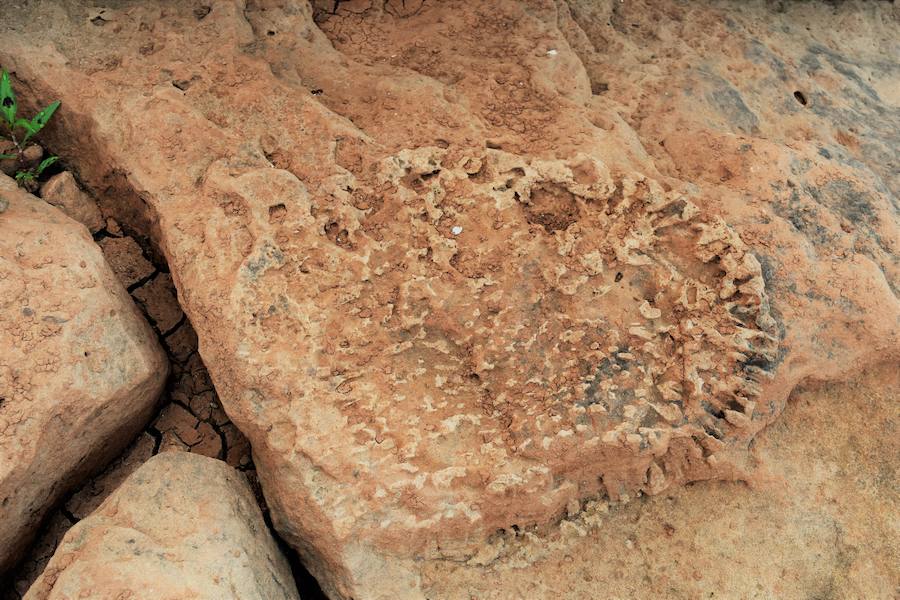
[(33, 173), (20, 131)]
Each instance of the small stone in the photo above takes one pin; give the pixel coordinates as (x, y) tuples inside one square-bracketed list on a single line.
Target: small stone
[(738, 419), (456, 230), (62, 191), (571, 529), (112, 226), (648, 311), (32, 155)]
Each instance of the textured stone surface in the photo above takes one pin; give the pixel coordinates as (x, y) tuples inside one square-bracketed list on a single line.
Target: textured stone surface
[(63, 192), (80, 371), (817, 521), (181, 526), (462, 267)]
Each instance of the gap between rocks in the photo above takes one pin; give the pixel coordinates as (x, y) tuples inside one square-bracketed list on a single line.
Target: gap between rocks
[(189, 417)]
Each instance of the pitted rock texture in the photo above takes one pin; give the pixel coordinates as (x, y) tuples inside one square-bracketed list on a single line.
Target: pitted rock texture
[(818, 521), (651, 329), (181, 526), (448, 279), (80, 371)]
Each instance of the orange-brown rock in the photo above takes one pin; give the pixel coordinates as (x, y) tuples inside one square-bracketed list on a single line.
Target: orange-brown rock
[(181, 526), (80, 370), (62, 191), (817, 521), (450, 279)]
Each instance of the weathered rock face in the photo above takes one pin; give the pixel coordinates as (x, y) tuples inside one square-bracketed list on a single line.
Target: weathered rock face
[(181, 526), (818, 521), (80, 370), (449, 278)]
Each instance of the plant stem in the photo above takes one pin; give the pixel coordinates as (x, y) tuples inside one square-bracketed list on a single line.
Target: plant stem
[(20, 151)]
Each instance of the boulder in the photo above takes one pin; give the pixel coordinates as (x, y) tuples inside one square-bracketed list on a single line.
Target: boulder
[(80, 369), (449, 280), (181, 526), (63, 192)]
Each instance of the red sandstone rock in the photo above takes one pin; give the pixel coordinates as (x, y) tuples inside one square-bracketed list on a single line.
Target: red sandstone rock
[(80, 370), (181, 526), (819, 519), (449, 279)]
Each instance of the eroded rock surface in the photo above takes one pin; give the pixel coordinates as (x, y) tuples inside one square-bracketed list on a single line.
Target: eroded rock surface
[(80, 370), (181, 526), (817, 521), (454, 270)]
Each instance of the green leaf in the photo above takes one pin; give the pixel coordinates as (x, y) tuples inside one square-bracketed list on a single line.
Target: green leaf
[(40, 119), (8, 104), (24, 176), (44, 164), (26, 125), (7, 156)]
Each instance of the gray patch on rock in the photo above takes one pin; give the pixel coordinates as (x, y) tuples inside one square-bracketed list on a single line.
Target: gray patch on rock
[(725, 98)]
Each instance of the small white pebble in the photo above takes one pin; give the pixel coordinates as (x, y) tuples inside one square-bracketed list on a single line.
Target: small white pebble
[(552, 52), (456, 230)]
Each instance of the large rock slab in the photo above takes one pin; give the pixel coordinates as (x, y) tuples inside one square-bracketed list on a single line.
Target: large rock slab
[(181, 526), (445, 282), (80, 370)]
